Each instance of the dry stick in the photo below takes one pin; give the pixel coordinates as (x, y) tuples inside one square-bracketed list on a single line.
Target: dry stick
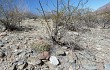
[(56, 26), (70, 13), (73, 11), (48, 27)]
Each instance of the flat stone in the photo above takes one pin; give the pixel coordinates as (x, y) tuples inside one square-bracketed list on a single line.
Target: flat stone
[(90, 67), (20, 62), (22, 66), (100, 66), (2, 54), (33, 61), (71, 56), (1, 44), (71, 68), (107, 66), (2, 28), (60, 52), (44, 56), (3, 34), (54, 60)]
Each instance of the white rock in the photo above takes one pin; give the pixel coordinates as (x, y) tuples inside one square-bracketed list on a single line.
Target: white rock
[(54, 60), (71, 68), (3, 34), (76, 33)]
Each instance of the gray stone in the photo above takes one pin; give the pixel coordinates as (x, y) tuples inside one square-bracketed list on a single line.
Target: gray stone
[(22, 66), (33, 61), (3, 34), (30, 67), (22, 54), (90, 67), (2, 28), (2, 54), (60, 52), (107, 66), (71, 56), (14, 48), (20, 62), (54, 60), (1, 44)]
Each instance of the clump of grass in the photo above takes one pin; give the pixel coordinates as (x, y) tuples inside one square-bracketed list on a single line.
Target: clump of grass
[(40, 46)]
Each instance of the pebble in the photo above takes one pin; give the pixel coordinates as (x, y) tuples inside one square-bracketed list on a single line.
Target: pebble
[(2, 54), (107, 66), (44, 55), (54, 60), (22, 66), (60, 52), (33, 61), (3, 34)]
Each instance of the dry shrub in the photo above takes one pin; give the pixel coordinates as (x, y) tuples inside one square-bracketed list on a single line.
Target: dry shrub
[(10, 15), (104, 19), (13, 20), (40, 46)]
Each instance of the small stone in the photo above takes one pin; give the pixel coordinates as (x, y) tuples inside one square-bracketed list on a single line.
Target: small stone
[(1, 44), (20, 62), (33, 61), (3, 34), (90, 67), (67, 52), (64, 47), (2, 28), (71, 68), (75, 33), (54, 60), (30, 67), (71, 56), (61, 52), (2, 54), (22, 66), (107, 66), (44, 56), (100, 66)]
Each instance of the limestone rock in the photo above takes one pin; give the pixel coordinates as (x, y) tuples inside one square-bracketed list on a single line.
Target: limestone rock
[(54, 60)]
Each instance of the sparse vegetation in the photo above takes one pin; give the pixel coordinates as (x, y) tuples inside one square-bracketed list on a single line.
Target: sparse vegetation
[(63, 20), (41, 46), (67, 35), (11, 15)]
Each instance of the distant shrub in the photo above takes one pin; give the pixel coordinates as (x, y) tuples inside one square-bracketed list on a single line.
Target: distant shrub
[(10, 15), (12, 20)]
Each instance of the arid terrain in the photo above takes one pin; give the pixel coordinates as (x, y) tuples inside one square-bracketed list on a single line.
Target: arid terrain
[(16, 51), (54, 35)]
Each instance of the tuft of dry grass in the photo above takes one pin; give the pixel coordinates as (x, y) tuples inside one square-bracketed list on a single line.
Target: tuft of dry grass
[(40, 46)]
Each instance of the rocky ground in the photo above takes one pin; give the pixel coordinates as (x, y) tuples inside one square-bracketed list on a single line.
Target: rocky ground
[(16, 52)]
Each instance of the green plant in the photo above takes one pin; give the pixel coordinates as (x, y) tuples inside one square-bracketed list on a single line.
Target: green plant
[(40, 46)]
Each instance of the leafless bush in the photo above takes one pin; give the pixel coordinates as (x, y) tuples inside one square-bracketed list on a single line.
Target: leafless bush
[(104, 19), (62, 19)]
